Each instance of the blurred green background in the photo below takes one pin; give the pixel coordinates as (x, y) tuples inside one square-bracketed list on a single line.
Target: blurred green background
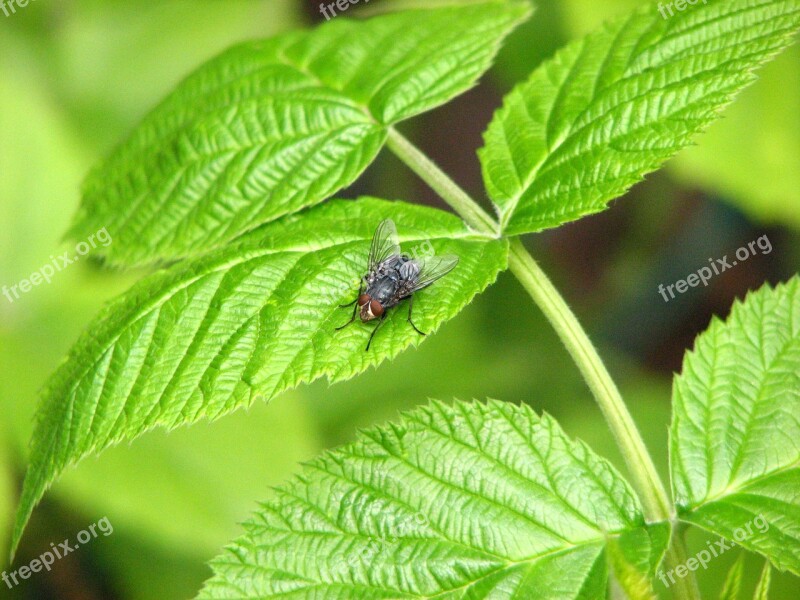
[(76, 76)]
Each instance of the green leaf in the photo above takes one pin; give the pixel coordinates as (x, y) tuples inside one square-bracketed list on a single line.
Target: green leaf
[(735, 435), (250, 320), (90, 60), (633, 558), (176, 502), (762, 589), (733, 582), (270, 127), (465, 501), (762, 176), (616, 104)]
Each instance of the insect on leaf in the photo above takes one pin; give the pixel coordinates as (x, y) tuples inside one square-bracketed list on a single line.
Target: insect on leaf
[(209, 335)]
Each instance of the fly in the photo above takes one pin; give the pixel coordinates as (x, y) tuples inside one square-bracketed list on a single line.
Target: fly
[(393, 277)]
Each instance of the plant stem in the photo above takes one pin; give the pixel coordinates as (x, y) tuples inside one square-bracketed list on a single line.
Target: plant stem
[(466, 207), (676, 555), (656, 503), (538, 285)]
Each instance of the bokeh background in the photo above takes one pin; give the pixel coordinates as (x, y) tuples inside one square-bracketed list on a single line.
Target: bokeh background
[(77, 75)]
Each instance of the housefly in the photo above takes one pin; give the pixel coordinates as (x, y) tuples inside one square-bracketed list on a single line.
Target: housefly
[(393, 277)]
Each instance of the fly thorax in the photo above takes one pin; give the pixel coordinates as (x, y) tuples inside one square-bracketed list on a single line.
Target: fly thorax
[(409, 270), (384, 289)]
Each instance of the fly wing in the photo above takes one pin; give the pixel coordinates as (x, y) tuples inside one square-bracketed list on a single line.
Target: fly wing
[(433, 268), (384, 244)]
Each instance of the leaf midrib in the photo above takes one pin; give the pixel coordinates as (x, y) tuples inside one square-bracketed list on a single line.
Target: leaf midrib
[(600, 542), (158, 301), (727, 492), (739, 457), (509, 208)]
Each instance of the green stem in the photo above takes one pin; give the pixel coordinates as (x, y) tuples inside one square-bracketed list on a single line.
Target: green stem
[(685, 587), (654, 497), (466, 207), (656, 503)]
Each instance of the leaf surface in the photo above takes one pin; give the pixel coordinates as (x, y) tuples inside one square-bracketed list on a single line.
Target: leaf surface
[(613, 106), (472, 500), (762, 176), (762, 588), (270, 127), (733, 581), (210, 335), (735, 434)]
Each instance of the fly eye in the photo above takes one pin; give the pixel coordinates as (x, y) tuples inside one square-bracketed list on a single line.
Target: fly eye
[(376, 308), (363, 299)]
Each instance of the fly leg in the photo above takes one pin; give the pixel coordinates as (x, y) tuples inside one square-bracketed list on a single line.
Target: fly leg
[(410, 306), (354, 304), (374, 331)]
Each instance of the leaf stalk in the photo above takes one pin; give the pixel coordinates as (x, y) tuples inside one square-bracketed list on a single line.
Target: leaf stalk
[(656, 503)]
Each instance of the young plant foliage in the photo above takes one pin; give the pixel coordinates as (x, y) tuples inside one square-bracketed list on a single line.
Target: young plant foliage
[(733, 581), (208, 335), (471, 500), (762, 588), (465, 501), (613, 106), (735, 436), (273, 126)]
